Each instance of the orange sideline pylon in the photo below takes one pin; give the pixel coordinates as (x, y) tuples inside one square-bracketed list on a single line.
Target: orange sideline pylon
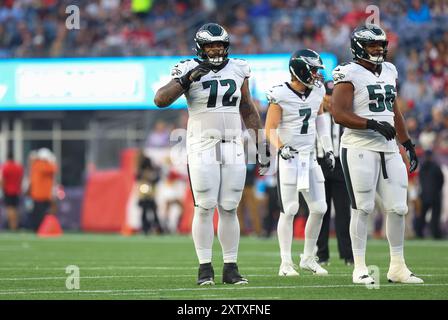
[(50, 227)]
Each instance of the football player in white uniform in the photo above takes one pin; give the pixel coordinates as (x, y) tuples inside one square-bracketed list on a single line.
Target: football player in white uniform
[(294, 116), (218, 97), (364, 102)]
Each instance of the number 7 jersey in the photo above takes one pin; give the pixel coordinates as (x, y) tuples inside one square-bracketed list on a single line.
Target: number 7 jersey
[(373, 98), (297, 126)]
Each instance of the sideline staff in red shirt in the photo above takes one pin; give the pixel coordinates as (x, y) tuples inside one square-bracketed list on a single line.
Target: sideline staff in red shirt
[(12, 174)]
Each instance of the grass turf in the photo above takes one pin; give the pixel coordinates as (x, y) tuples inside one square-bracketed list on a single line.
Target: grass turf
[(165, 267)]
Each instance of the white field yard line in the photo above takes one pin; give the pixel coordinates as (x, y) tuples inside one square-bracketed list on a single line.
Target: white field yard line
[(189, 276), (182, 239), (37, 268), (211, 289)]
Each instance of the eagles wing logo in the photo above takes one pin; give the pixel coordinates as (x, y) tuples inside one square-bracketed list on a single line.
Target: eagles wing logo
[(176, 72), (338, 77)]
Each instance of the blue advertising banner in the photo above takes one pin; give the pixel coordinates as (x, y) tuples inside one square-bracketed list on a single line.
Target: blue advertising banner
[(116, 83)]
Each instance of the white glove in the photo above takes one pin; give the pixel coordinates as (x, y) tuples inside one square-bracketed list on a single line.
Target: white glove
[(287, 152), (330, 161)]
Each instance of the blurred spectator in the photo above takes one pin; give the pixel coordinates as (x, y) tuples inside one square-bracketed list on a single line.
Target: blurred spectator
[(249, 203), (171, 196), (11, 181), (418, 12), (147, 177), (43, 171), (431, 184), (159, 136), (273, 210)]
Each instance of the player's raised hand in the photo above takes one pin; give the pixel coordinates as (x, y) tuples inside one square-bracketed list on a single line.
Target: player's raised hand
[(383, 127), (410, 151), (287, 152), (195, 74), (200, 70)]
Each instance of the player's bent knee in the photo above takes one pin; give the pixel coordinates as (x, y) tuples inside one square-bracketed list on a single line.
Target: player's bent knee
[(225, 211), (399, 210), (228, 205), (291, 209), (318, 207), (366, 207), (207, 203)]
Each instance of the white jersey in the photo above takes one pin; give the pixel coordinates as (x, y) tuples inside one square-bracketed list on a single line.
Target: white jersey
[(213, 101), (297, 127), (374, 96)]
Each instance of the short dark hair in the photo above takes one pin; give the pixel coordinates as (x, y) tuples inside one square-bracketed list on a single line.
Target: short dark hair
[(10, 155)]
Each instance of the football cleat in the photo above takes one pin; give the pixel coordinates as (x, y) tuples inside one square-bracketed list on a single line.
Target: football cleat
[(401, 274), (361, 276), (287, 269), (206, 275), (310, 263), (231, 275)]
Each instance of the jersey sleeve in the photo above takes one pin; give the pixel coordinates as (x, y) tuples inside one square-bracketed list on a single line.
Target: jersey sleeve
[(180, 69), (272, 95), (392, 67), (342, 74), (242, 67)]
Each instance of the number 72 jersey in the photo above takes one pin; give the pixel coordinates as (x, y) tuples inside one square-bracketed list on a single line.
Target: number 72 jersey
[(373, 98), (217, 91)]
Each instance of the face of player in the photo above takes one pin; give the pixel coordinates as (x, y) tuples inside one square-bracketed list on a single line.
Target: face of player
[(375, 48), (215, 49)]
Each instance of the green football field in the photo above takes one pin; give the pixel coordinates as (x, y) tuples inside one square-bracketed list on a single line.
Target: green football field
[(165, 267)]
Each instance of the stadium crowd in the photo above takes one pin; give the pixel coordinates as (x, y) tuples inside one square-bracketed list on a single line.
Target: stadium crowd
[(417, 32)]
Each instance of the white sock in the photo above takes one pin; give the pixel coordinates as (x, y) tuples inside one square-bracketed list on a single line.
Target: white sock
[(395, 225), (358, 235), (284, 233), (203, 233), (228, 234), (312, 230)]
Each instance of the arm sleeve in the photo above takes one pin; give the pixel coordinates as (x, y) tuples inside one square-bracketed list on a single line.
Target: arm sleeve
[(394, 69), (341, 74), (272, 96), (243, 68), (180, 69)]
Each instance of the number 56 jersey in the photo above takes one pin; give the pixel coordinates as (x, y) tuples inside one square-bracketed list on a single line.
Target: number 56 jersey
[(373, 98), (297, 126)]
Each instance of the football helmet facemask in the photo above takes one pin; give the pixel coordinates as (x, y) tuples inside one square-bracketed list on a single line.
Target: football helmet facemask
[(210, 33), (304, 65), (364, 35)]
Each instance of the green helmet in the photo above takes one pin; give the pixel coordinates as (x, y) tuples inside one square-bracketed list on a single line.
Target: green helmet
[(304, 66), (364, 35), (209, 33)]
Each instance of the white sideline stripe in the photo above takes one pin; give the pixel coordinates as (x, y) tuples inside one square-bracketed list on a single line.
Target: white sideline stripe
[(188, 276), (270, 267), (216, 288)]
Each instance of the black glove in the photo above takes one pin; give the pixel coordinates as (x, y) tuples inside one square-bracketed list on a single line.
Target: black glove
[(263, 158), (413, 160), (383, 127), (330, 160), (195, 74)]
